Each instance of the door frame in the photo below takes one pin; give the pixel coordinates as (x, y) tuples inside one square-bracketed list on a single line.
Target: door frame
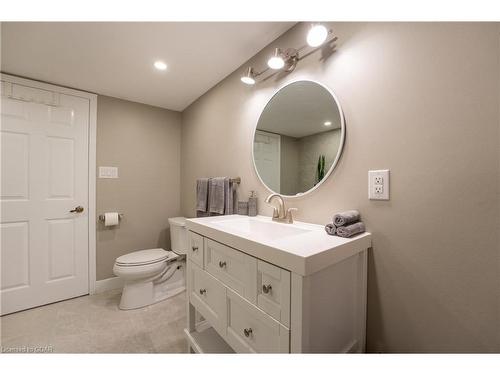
[(92, 167), (272, 135)]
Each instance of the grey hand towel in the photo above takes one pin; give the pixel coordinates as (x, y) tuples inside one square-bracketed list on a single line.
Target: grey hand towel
[(330, 229), (216, 195), (201, 194), (345, 218), (202, 213), (351, 230), (228, 196)]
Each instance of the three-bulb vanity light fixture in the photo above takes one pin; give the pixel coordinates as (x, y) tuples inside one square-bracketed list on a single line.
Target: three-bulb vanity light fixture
[(286, 60)]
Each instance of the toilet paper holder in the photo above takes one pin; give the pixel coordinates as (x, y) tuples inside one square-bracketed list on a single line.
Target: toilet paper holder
[(101, 217)]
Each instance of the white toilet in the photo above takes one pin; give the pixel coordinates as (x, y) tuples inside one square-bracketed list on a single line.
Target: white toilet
[(153, 275)]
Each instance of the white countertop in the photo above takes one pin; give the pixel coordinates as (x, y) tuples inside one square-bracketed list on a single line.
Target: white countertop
[(300, 247)]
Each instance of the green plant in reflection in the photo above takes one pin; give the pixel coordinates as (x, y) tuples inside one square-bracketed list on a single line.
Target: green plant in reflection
[(321, 168)]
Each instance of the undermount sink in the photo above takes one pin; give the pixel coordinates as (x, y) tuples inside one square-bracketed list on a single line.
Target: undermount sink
[(261, 228)]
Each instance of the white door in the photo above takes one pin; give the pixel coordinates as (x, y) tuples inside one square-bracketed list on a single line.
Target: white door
[(44, 176), (266, 152)]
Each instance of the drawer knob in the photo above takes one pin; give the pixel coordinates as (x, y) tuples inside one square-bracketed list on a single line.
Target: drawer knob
[(267, 288), (195, 248), (203, 291), (247, 332), (222, 264)]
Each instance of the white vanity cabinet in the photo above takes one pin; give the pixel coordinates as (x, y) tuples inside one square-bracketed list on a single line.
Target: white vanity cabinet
[(255, 298)]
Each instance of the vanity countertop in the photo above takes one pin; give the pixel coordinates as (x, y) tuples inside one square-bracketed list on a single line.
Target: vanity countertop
[(302, 248)]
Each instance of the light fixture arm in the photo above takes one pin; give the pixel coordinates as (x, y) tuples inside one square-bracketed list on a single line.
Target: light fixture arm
[(292, 56)]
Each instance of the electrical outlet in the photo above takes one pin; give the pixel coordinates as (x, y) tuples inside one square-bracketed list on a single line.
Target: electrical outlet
[(378, 184)]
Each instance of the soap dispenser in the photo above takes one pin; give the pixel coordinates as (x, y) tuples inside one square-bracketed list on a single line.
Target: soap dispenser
[(252, 204)]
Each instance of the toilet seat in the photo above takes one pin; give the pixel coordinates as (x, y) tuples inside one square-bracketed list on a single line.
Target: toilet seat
[(143, 258)]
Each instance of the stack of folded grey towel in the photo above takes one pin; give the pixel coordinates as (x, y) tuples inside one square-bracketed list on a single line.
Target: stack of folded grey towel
[(346, 224)]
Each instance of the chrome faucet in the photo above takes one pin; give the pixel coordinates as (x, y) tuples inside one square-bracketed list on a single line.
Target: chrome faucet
[(280, 213)]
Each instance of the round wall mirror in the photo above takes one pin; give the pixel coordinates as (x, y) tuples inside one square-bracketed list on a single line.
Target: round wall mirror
[(299, 138)]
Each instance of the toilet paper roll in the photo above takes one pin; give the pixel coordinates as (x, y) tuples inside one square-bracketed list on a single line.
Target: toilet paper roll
[(111, 218)]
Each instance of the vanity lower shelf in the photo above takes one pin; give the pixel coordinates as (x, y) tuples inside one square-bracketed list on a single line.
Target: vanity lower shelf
[(207, 341)]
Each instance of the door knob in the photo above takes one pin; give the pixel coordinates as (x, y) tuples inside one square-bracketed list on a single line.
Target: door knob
[(266, 288), (247, 332), (77, 209), (222, 264)]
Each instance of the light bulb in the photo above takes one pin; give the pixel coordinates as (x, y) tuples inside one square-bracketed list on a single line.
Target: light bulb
[(327, 123), (248, 78), (276, 62), (317, 35), (160, 65)]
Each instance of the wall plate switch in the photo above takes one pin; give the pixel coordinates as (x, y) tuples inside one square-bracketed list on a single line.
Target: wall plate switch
[(378, 185), (108, 172)]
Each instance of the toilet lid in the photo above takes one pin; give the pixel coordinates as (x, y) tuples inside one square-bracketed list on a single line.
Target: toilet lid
[(142, 257)]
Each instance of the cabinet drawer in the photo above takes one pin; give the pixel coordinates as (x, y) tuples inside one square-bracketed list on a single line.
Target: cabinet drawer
[(235, 269), (250, 330), (195, 248), (208, 296), (273, 291)]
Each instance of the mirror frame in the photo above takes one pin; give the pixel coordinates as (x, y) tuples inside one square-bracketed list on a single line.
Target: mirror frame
[(341, 144)]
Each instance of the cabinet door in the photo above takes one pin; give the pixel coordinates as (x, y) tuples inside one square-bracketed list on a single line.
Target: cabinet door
[(195, 248), (250, 330), (235, 269), (273, 291), (208, 296)]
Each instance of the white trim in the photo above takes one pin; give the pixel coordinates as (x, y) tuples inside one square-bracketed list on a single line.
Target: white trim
[(108, 284), (92, 193), (92, 98), (341, 144), (47, 86), (271, 135)]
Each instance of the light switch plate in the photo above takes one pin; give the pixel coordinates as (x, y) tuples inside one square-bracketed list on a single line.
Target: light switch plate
[(378, 185), (108, 172)]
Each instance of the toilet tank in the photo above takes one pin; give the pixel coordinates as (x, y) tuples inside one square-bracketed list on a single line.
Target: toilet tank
[(178, 235)]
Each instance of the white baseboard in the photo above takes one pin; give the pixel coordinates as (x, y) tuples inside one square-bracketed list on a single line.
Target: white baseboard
[(108, 284)]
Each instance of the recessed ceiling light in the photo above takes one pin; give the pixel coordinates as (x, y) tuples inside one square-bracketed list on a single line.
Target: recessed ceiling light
[(327, 123), (160, 65)]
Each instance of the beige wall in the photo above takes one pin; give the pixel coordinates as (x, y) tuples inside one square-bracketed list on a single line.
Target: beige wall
[(421, 100), (144, 143)]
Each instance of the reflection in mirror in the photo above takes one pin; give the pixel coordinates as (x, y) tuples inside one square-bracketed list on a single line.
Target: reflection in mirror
[(299, 138)]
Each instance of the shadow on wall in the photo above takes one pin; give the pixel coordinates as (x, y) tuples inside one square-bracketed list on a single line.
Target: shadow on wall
[(403, 319), (374, 321), (164, 239)]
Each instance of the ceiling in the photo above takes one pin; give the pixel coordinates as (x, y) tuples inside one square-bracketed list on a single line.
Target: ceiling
[(116, 58), (299, 110)]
